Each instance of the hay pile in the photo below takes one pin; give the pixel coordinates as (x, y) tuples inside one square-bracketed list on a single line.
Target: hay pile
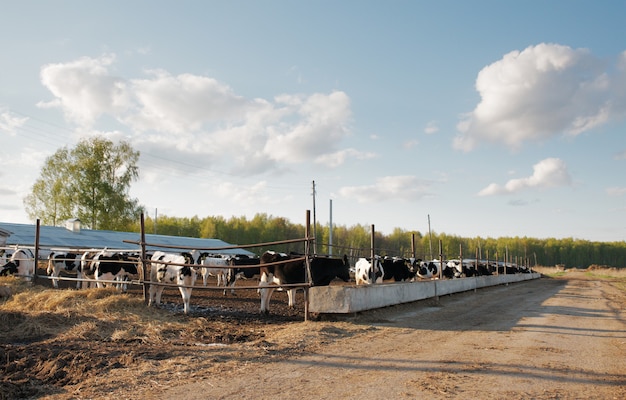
[(67, 342)]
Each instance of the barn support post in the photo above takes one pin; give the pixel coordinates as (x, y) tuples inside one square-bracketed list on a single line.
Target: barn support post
[(36, 252), (143, 266), (413, 245)]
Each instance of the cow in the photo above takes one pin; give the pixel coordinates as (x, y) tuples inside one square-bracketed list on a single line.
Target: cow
[(10, 268), (168, 268), (366, 274), (453, 269), (86, 269), (507, 268), (245, 267), (218, 266), (61, 261), (291, 269), (114, 267), (22, 263), (428, 269), (326, 269), (398, 269)]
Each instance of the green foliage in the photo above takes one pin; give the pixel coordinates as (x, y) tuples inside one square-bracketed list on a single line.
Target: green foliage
[(91, 182), (355, 241)]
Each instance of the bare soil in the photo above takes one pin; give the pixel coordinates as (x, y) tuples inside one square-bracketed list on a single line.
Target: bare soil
[(557, 337)]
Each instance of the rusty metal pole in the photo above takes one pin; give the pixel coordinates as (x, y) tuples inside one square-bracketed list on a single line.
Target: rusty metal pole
[(372, 243), (36, 252), (307, 263), (144, 267)]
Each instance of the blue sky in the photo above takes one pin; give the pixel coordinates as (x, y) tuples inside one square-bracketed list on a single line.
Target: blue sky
[(496, 118)]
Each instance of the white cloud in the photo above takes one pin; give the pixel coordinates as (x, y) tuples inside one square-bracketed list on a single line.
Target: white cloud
[(84, 90), (616, 191), (9, 122), (322, 122), (335, 159), (244, 196), (542, 91), (201, 120), (621, 156), (404, 187), (431, 127), (551, 172)]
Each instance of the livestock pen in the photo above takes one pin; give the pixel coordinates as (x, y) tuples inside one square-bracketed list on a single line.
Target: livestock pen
[(334, 299)]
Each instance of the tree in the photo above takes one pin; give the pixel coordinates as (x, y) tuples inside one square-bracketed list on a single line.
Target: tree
[(91, 182)]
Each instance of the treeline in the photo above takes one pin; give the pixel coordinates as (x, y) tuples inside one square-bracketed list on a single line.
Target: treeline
[(356, 241)]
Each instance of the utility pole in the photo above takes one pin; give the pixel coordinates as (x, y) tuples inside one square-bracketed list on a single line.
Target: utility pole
[(330, 230), (314, 224), (430, 239)]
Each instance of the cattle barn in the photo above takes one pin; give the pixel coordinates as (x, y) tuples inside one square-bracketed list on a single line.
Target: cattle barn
[(72, 236)]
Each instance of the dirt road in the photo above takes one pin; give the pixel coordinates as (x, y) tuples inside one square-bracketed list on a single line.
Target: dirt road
[(543, 339)]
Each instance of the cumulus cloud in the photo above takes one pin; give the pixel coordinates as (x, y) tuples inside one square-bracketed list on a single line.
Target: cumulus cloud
[(548, 173), (403, 187), (84, 89), (197, 118), (621, 156), (542, 91)]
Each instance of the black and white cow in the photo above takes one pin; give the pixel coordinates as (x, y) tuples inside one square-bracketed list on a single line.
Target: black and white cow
[(9, 268), (245, 267), (428, 269), (453, 269), (218, 266), (61, 261), (366, 274), (86, 269), (325, 269), (399, 269), (22, 263), (292, 270), (169, 268), (114, 267), (507, 268)]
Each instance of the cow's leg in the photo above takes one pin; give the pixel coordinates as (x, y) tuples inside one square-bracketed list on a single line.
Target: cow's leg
[(291, 295), (266, 294), (155, 294), (186, 294), (205, 276), (55, 282)]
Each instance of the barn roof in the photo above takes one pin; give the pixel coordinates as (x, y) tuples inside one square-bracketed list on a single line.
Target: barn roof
[(63, 238)]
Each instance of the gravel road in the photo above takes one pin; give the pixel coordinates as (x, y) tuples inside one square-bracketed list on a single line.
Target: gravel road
[(551, 338)]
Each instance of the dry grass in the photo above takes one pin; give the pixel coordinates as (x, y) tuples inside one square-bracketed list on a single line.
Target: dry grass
[(34, 313), (64, 341), (617, 275)]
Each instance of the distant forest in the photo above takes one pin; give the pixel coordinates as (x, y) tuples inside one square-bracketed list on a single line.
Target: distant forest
[(356, 241)]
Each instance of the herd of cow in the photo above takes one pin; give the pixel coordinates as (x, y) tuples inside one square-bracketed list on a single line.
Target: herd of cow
[(288, 271)]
